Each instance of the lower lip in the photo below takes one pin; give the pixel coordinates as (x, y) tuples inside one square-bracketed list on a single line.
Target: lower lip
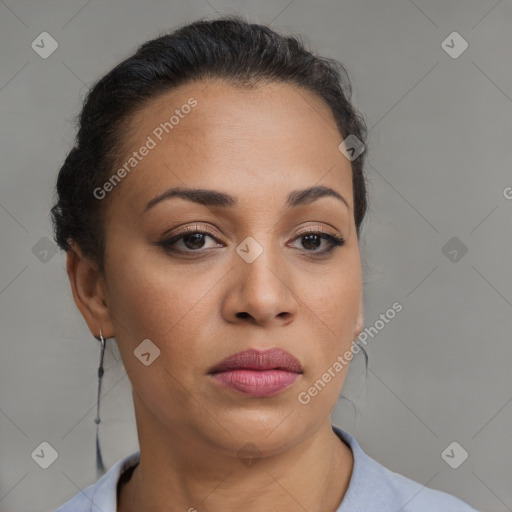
[(257, 383)]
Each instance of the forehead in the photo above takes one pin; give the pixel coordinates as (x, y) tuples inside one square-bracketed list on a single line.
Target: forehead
[(247, 140)]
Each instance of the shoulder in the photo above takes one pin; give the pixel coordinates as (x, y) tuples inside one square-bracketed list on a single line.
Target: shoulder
[(374, 487), (102, 495)]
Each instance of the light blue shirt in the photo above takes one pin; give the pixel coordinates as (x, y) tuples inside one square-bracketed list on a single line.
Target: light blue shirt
[(372, 488)]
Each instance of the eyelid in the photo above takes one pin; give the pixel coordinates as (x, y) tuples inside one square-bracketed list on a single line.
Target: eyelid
[(192, 229), (318, 229), (306, 230)]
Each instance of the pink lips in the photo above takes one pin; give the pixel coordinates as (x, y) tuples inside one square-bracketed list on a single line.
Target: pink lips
[(258, 373)]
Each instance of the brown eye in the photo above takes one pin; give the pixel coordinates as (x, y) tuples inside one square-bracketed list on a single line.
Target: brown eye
[(194, 241), (311, 241), (189, 241)]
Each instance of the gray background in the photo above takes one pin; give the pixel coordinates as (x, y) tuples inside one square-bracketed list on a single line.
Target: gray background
[(439, 167)]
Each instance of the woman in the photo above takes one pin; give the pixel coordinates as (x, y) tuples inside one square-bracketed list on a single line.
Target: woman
[(211, 211)]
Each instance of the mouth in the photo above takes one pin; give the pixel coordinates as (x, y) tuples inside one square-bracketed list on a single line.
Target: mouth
[(257, 373)]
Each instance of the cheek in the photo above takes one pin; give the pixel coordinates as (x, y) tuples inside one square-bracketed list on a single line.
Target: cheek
[(335, 299), (150, 299), (332, 310), (166, 307), (332, 316)]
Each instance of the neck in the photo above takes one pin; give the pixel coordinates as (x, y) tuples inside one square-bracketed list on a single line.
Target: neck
[(189, 475)]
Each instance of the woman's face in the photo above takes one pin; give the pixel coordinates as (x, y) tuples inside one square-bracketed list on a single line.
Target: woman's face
[(203, 298)]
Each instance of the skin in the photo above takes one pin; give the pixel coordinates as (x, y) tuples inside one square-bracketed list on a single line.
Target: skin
[(257, 144)]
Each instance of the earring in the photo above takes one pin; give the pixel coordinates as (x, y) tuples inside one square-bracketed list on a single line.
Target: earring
[(100, 468)]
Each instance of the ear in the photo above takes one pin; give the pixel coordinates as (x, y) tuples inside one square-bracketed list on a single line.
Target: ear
[(359, 319), (89, 292)]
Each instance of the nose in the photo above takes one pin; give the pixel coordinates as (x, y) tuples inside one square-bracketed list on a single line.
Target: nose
[(261, 292)]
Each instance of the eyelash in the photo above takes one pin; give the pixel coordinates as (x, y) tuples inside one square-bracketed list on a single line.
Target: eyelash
[(334, 240)]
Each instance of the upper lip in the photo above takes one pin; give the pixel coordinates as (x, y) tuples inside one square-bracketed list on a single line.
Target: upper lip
[(252, 359)]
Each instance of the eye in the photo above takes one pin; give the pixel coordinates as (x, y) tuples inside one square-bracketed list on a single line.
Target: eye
[(189, 240), (193, 240), (312, 240)]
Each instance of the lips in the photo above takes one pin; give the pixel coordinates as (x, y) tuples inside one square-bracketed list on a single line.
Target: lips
[(271, 359), (257, 373)]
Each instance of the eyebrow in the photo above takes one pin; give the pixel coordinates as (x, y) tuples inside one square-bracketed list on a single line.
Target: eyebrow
[(210, 197)]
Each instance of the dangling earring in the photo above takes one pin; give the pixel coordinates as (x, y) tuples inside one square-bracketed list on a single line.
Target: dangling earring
[(100, 468)]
